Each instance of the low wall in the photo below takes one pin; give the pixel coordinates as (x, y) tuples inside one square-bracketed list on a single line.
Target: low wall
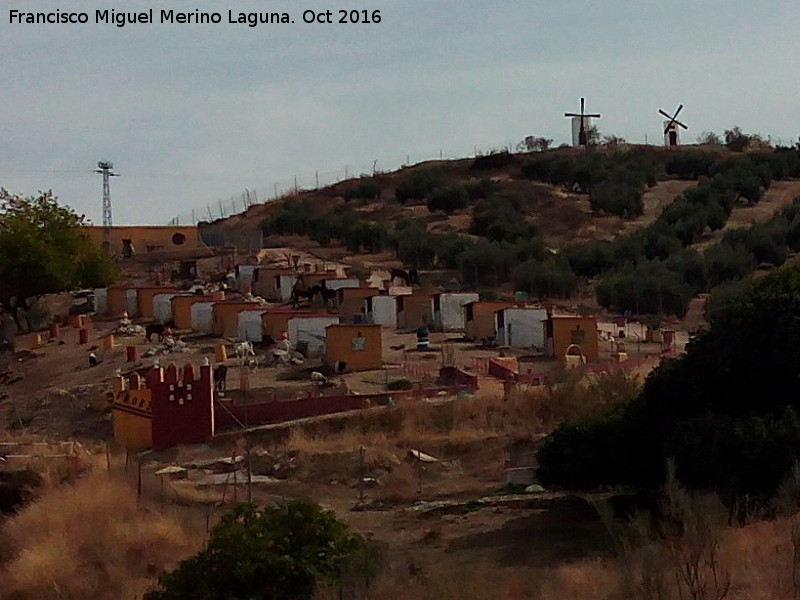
[(459, 377), (264, 413)]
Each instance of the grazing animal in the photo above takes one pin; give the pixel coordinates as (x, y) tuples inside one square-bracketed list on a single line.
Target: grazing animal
[(318, 377), (308, 294), (158, 329), (243, 349), (220, 379), (154, 329), (326, 294), (410, 277)]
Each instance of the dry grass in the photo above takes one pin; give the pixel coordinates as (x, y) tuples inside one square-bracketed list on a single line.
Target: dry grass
[(473, 418), (90, 541)]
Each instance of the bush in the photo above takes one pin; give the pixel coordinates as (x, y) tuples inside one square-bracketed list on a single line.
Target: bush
[(448, 199), (269, 553), (367, 189), (494, 160), (550, 278), (400, 384), (726, 411), (690, 164), (418, 184)]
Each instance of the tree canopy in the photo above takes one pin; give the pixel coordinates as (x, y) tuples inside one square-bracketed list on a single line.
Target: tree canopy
[(43, 251), (278, 552), (727, 411)]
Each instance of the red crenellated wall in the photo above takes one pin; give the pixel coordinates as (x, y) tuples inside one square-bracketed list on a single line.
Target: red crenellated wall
[(182, 405)]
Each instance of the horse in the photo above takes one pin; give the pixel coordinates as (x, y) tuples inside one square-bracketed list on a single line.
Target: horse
[(308, 294), (220, 379), (410, 277), (326, 294)]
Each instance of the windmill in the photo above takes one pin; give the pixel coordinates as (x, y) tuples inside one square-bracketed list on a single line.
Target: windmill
[(671, 137), (581, 123)]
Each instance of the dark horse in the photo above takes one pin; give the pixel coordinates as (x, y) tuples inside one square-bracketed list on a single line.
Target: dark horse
[(308, 294), (410, 277), (328, 295)]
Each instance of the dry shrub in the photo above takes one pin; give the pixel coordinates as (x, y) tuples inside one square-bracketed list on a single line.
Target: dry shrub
[(90, 541), (470, 418)]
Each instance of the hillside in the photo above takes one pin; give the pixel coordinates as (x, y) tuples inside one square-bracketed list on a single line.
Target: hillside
[(562, 225)]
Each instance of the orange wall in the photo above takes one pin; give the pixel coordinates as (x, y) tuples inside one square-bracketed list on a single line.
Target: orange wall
[(116, 300), (417, 311), (483, 318), (350, 301), (142, 237), (182, 309), (133, 420), (264, 281), (225, 319), (564, 334), (339, 346), (273, 322), (145, 298)]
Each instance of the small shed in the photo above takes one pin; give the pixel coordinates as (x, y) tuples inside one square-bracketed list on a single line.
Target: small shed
[(310, 330), (276, 320), (521, 327), (202, 316), (414, 310), (182, 308), (381, 310), (337, 284), (350, 301), (145, 296), (479, 318), (448, 310), (131, 301), (266, 280), (162, 307), (226, 317), (354, 347), (285, 284), (567, 331), (116, 300), (244, 276), (101, 301), (249, 325)]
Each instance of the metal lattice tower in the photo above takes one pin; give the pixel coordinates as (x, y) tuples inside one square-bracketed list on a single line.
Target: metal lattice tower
[(105, 167)]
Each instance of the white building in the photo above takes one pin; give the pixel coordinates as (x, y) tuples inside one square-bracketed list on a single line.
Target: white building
[(244, 276), (448, 310), (202, 317), (285, 285), (101, 301), (337, 284), (521, 327), (249, 325), (132, 302), (381, 310), (162, 307), (310, 330), (672, 135)]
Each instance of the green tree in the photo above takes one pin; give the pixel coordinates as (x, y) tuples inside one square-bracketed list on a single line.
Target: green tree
[(279, 552), (726, 411), (43, 250)]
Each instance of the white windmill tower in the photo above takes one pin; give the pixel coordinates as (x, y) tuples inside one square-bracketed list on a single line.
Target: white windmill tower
[(671, 132), (581, 124)]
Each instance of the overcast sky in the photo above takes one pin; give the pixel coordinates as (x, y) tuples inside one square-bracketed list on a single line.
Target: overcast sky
[(194, 114)]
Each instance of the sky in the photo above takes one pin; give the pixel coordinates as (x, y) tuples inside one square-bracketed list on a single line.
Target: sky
[(192, 115)]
